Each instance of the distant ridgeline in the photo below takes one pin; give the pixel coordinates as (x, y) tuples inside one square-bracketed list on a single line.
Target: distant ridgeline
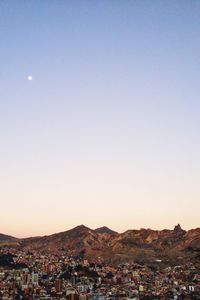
[(141, 246)]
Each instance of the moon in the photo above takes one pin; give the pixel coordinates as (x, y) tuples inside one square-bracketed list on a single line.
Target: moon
[(29, 77)]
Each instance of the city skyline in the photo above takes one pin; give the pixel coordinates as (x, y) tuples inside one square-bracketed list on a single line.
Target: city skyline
[(99, 115)]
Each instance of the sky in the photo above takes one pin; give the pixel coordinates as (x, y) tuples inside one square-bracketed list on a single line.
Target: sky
[(107, 132)]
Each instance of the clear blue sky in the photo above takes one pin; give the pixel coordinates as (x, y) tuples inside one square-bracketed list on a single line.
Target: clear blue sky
[(108, 130)]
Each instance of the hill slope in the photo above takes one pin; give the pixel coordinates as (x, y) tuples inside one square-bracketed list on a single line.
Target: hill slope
[(143, 246), (7, 239)]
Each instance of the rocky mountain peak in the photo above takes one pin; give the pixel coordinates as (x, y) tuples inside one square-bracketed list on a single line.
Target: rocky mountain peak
[(178, 228), (105, 229)]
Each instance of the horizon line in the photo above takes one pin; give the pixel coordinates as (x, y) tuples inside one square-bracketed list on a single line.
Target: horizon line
[(93, 229)]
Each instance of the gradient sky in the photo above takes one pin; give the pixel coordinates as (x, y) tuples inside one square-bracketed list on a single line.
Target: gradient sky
[(108, 130)]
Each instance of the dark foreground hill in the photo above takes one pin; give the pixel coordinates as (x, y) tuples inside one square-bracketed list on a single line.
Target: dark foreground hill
[(142, 246)]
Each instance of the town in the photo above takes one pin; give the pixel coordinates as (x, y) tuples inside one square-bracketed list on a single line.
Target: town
[(32, 275)]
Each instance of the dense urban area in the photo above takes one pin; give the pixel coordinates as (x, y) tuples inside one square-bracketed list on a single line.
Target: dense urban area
[(32, 275)]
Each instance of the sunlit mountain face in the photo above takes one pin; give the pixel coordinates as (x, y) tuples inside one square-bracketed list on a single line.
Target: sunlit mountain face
[(143, 246)]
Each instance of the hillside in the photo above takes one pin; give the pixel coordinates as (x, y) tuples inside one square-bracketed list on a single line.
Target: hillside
[(7, 239), (142, 246)]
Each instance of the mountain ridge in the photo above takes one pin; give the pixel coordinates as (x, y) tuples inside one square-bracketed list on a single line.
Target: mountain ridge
[(140, 245), (7, 239)]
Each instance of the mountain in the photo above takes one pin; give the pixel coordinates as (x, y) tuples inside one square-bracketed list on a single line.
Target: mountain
[(105, 230), (80, 240), (6, 238), (146, 245), (142, 246)]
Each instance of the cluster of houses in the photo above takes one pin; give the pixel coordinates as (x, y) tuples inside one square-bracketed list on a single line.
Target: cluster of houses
[(32, 276)]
